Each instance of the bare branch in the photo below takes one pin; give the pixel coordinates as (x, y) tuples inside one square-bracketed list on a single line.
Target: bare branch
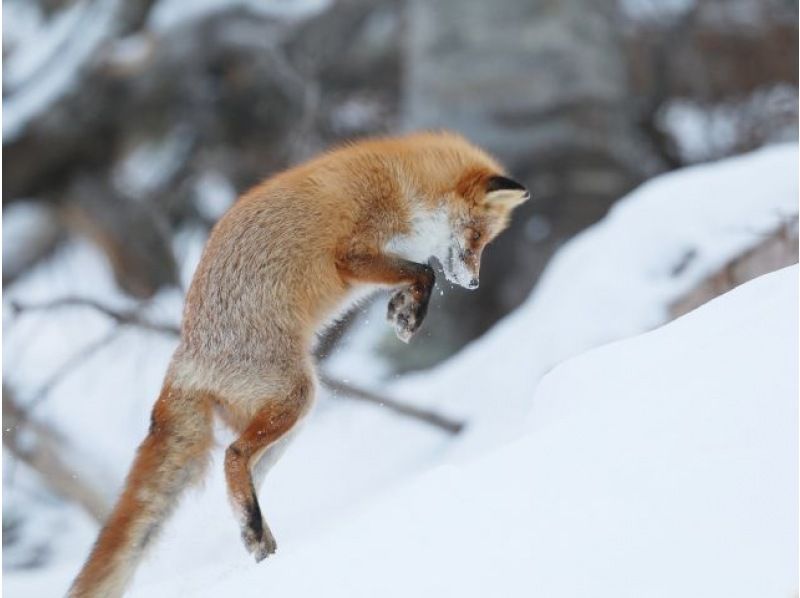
[(122, 317), (134, 318), (362, 394)]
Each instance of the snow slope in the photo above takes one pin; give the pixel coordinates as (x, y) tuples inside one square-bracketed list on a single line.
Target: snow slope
[(665, 465)]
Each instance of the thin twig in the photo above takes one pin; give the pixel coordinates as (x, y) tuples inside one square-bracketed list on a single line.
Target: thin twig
[(130, 317), (418, 413)]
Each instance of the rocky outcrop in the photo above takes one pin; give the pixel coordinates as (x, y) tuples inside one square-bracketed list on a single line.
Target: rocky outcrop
[(776, 251)]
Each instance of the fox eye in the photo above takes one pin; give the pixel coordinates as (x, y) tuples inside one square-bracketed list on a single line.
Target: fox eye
[(476, 236)]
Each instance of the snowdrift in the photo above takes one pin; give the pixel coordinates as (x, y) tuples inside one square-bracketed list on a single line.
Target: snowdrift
[(665, 465)]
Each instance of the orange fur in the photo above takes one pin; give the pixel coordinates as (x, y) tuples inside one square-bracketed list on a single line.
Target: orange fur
[(281, 263)]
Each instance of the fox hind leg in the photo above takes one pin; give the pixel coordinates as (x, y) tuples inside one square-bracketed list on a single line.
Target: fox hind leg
[(263, 439)]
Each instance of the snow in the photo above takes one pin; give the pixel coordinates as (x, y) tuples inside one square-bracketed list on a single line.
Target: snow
[(152, 163), (32, 224), (665, 465), (214, 194), (130, 52), (171, 13), (21, 19), (702, 132), (38, 538), (546, 489), (46, 56), (41, 42), (656, 10)]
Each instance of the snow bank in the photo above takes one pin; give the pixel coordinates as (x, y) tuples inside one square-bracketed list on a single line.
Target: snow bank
[(665, 465)]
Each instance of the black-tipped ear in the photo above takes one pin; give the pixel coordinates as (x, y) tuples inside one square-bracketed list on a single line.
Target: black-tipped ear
[(505, 192), (500, 183)]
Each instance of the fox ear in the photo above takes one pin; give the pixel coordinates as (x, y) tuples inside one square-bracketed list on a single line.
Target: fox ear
[(505, 192)]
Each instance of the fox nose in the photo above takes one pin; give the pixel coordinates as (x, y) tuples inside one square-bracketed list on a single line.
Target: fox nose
[(473, 283)]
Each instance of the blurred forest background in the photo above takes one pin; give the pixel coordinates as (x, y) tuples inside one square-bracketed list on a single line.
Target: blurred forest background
[(126, 122)]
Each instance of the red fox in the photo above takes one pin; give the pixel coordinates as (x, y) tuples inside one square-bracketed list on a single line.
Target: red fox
[(289, 256)]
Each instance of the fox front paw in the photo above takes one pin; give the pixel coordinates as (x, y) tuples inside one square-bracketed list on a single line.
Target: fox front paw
[(406, 313)]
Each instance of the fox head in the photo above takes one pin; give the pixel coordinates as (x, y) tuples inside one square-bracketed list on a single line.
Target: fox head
[(479, 210), (458, 224), (460, 199)]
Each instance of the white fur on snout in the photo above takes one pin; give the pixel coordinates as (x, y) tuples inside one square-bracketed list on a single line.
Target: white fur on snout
[(456, 270)]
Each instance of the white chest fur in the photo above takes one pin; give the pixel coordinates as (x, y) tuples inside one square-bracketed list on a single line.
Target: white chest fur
[(430, 235)]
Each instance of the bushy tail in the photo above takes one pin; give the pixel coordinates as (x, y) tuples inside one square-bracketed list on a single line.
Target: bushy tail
[(172, 456)]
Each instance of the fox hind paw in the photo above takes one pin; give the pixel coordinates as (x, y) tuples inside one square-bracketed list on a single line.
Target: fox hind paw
[(260, 545)]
